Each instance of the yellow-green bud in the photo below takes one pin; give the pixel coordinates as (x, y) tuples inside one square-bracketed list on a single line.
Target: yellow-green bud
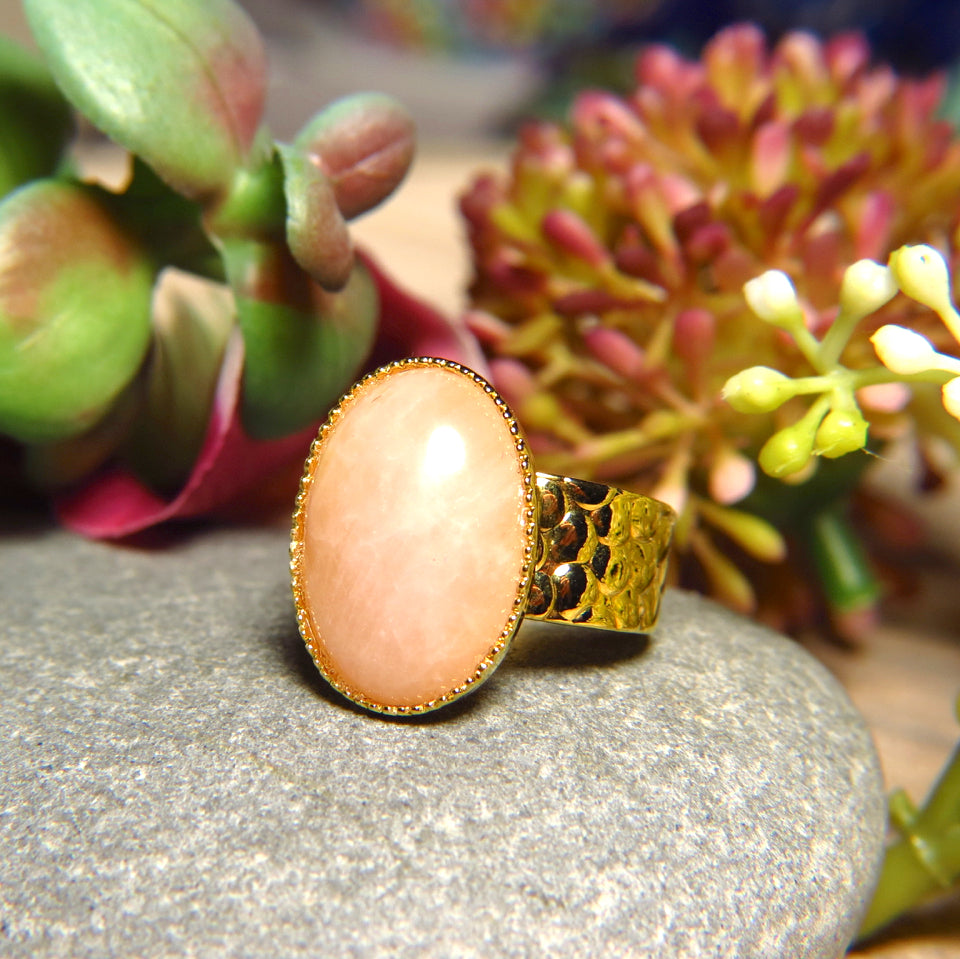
[(866, 287), (921, 272), (772, 297), (841, 432), (787, 451), (758, 389)]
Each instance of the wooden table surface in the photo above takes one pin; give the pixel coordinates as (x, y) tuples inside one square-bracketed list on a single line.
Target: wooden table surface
[(905, 679)]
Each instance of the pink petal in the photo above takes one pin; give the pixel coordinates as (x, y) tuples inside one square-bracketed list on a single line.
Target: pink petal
[(848, 54), (803, 56), (600, 116), (679, 192), (616, 351), (573, 235), (732, 477), (513, 380), (662, 68), (775, 209), (735, 59), (770, 157), (872, 230)]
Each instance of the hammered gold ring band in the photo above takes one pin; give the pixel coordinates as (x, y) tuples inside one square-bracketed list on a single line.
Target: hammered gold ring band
[(422, 536)]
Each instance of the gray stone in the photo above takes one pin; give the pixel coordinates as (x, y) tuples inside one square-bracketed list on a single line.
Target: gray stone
[(176, 779)]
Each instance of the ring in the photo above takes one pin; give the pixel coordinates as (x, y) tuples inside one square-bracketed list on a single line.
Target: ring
[(422, 536)]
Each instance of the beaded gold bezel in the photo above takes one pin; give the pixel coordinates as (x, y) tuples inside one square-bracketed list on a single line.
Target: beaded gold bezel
[(529, 518)]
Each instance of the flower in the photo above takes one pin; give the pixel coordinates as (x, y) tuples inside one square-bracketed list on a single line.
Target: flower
[(775, 168)]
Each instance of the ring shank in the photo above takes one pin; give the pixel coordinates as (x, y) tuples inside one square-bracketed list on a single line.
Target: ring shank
[(601, 556)]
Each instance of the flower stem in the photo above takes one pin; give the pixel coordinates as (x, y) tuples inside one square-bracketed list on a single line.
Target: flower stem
[(851, 380), (836, 338)]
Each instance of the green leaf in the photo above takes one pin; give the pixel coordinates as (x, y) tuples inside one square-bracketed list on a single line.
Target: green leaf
[(168, 226), (298, 363), (181, 83), (75, 292), (316, 231), (35, 119), (62, 463), (364, 144), (841, 561)]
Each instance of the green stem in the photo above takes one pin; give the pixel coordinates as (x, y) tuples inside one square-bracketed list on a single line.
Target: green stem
[(255, 206), (658, 427), (808, 345), (850, 380), (925, 860)]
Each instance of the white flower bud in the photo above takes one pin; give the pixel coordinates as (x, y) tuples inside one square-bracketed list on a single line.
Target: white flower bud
[(903, 351), (921, 272), (772, 297), (951, 397), (866, 287)]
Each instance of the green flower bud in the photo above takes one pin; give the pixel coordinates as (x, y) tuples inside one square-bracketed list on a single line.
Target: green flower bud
[(841, 432), (758, 389), (787, 451)]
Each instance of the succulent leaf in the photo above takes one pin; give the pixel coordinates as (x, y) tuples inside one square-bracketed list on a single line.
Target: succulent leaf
[(299, 359), (168, 226), (192, 320), (75, 295), (177, 82), (35, 119), (364, 144), (316, 231), (62, 463), (231, 466)]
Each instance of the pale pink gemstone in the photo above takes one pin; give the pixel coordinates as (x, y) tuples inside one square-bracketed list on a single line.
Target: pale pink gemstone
[(413, 536)]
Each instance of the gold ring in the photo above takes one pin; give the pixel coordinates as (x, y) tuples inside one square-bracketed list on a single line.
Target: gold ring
[(422, 536)]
